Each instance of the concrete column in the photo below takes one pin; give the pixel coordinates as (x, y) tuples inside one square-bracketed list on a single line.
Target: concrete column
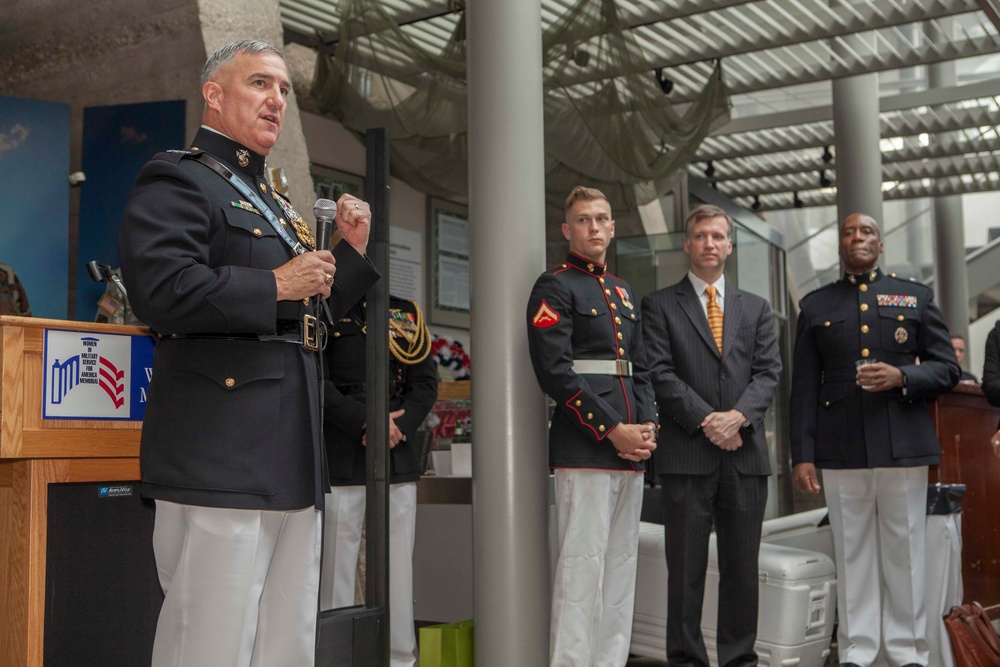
[(951, 284), (507, 252), (856, 138)]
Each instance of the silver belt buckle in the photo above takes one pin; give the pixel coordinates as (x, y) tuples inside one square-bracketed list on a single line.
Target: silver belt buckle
[(623, 367), (310, 333)]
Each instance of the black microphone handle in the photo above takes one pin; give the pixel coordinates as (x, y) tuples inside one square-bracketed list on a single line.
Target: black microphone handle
[(324, 230)]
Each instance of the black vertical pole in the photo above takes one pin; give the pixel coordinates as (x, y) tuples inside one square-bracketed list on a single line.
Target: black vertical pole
[(359, 636), (377, 398)]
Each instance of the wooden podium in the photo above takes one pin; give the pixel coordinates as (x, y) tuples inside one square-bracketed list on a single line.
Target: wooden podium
[(35, 452), (965, 422)]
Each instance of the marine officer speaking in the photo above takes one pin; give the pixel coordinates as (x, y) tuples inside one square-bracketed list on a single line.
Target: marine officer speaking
[(224, 270), (586, 349), (871, 349), (413, 390)]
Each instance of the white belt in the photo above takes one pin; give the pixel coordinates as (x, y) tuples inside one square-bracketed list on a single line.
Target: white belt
[(603, 367)]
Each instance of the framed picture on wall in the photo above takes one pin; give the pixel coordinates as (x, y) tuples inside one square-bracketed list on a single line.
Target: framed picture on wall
[(448, 260), (331, 183)]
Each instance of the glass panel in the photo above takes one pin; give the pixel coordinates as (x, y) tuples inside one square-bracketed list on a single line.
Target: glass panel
[(751, 260)]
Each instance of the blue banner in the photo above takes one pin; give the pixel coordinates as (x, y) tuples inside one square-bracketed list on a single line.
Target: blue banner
[(34, 188), (117, 141)]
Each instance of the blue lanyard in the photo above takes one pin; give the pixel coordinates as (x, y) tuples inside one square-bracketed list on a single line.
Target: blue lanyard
[(248, 192)]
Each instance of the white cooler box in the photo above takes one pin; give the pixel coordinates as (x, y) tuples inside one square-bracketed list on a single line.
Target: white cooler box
[(797, 603)]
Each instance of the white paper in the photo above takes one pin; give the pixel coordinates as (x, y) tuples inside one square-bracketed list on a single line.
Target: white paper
[(453, 283), (405, 264)]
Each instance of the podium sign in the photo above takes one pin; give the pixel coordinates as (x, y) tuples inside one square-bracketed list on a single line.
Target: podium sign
[(96, 375)]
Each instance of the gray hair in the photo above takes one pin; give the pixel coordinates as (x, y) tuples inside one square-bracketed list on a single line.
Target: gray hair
[(233, 49)]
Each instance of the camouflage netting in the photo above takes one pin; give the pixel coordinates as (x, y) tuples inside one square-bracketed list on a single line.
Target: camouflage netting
[(621, 134)]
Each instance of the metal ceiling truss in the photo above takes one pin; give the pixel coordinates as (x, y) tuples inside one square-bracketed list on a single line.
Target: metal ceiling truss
[(892, 172), (764, 30), (942, 141), (967, 183), (761, 166), (909, 122)]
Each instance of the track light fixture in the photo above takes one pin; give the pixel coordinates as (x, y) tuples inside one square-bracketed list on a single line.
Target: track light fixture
[(824, 182), (796, 202), (756, 203), (666, 84), (581, 57), (827, 155), (709, 169)]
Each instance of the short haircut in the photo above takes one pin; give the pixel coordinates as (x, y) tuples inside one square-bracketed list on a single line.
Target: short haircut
[(582, 193), (233, 49), (955, 336), (862, 217), (704, 212)]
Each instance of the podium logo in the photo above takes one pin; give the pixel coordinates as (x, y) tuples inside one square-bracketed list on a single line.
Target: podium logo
[(115, 491), (88, 368), (88, 375)]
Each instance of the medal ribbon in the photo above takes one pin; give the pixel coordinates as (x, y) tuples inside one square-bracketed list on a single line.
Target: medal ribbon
[(248, 192)]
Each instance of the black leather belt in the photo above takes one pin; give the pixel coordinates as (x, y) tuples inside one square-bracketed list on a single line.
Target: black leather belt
[(304, 332)]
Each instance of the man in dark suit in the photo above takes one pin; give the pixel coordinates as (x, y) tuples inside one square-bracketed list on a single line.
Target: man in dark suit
[(216, 263), (714, 363), (413, 390), (870, 350), (586, 349)]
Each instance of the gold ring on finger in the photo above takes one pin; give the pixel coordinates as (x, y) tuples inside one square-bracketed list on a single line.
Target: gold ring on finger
[(328, 280)]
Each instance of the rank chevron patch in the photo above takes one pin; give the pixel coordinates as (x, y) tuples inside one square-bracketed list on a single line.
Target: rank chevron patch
[(545, 317)]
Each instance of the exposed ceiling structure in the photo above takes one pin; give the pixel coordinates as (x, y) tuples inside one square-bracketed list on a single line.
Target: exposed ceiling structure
[(778, 58)]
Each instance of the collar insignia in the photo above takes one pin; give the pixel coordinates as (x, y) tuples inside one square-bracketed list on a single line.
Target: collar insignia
[(243, 157)]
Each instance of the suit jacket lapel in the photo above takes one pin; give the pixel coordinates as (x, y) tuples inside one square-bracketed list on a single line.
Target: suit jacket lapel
[(731, 318), (691, 304)]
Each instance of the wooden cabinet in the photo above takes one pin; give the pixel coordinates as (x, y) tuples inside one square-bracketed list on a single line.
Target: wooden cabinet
[(965, 422)]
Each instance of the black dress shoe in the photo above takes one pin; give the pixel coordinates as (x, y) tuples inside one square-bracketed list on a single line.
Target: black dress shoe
[(849, 664)]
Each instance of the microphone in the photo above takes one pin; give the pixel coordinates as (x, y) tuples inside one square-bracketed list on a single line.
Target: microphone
[(102, 272), (325, 211), (97, 271)]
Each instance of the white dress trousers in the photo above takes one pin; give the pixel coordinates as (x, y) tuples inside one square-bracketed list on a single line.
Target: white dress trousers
[(878, 518), (594, 587), (241, 586), (345, 519)]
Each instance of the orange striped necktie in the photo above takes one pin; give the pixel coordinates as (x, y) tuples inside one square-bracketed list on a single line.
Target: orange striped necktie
[(714, 316)]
